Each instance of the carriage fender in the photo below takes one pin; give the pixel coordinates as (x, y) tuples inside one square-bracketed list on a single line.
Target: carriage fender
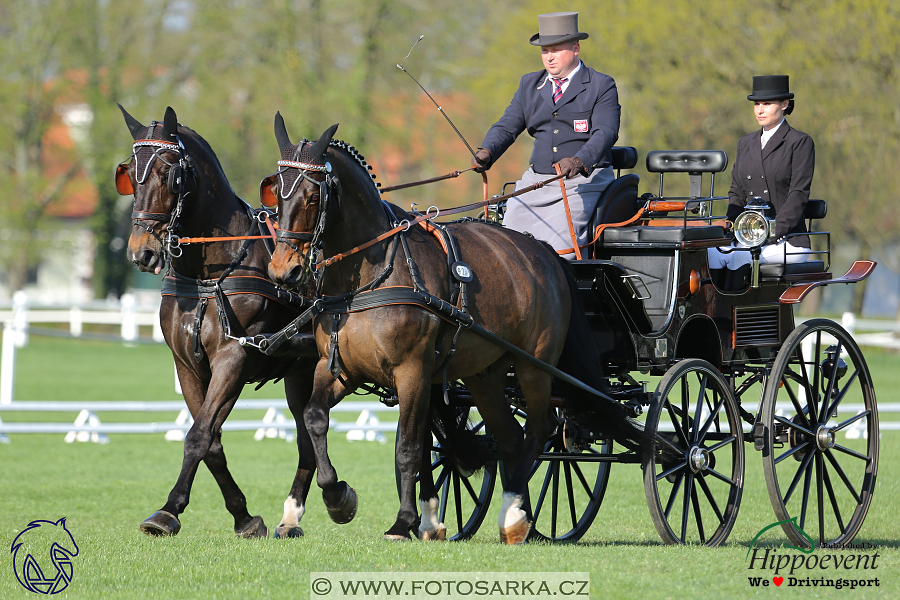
[(698, 337)]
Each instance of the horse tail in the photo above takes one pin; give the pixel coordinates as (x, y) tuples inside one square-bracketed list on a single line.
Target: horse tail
[(581, 359), (460, 445)]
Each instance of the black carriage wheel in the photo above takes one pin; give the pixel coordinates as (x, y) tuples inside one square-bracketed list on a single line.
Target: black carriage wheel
[(464, 496), (565, 488), (821, 452), (694, 479)]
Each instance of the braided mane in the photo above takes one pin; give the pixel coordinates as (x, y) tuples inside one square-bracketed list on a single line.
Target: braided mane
[(353, 152)]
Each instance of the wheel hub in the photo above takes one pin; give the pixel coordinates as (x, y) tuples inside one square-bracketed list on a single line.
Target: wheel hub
[(698, 459), (825, 438)]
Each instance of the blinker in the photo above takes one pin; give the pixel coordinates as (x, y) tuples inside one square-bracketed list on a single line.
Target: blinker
[(123, 181)]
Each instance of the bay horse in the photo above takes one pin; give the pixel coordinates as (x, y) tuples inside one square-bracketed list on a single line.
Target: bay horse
[(515, 287), (214, 294)]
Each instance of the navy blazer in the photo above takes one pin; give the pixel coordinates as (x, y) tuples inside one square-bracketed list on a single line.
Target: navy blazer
[(781, 173), (584, 123)]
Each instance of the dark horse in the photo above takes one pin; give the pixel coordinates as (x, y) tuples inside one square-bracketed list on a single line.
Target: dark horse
[(516, 287), (214, 294)]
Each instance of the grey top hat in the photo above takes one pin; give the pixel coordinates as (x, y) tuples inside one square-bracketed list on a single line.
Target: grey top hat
[(770, 87), (557, 28)]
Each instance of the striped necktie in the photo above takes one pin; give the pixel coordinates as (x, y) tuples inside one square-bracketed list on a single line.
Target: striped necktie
[(557, 88)]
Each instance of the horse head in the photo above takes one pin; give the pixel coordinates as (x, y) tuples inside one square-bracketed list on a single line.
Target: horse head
[(301, 188), (159, 175)]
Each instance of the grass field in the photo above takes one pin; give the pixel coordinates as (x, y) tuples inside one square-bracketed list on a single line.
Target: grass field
[(106, 490)]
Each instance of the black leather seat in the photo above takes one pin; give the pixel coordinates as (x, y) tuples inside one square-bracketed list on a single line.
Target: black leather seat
[(779, 269), (663, 235)]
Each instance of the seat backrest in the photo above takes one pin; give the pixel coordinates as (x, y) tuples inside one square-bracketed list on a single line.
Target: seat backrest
[(816, 209), (624, 157), (618, 202)]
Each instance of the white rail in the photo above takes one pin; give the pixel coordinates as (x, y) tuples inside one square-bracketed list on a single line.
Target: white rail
[(275, 424)]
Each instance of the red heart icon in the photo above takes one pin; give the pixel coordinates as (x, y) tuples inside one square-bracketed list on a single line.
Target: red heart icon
[(778, 580)]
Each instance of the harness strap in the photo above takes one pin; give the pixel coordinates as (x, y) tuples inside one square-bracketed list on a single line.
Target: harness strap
[(565, 198), (196, 342), (177, 285)]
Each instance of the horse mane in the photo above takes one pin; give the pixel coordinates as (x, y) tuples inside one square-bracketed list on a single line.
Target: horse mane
[(189, 134), (359, 158)]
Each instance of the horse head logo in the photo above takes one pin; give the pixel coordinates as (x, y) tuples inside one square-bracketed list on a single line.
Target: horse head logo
[(42, 556)]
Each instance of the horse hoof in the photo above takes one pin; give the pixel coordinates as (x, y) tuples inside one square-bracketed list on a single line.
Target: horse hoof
[(439, 534), (393, 537), (161, 523), (515, 534), (346, 508), (284, 531), (254, 529)]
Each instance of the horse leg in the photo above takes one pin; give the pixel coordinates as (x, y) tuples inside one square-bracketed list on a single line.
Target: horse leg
[(340, 499), (414, 391), (430, 525), (297, 388)]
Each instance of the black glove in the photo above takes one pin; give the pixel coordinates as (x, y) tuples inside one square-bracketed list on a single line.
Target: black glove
[(482, 160), (570, 167)]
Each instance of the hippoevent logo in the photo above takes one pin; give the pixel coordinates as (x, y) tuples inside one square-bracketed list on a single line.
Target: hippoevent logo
[(42, 556), (807, 569)]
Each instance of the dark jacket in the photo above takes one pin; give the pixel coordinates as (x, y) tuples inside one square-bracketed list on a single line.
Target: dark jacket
[(584, 123), (781, 173)]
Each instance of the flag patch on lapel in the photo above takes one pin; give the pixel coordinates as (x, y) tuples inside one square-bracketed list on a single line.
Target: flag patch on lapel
[(581, 126)]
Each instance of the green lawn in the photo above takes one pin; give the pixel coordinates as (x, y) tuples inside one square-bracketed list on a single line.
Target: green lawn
[(106, 490)]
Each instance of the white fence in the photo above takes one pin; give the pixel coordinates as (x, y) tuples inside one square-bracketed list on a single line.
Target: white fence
[(129, 316)]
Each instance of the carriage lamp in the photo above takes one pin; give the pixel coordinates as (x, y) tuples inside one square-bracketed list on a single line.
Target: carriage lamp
[(753, 227)]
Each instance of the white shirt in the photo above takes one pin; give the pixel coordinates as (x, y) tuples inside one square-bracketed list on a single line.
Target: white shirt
[(766, 135), (567, 77)]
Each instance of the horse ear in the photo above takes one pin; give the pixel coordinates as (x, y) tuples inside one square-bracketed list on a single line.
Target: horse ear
[(318, 149), (281, 135), (170, 125), (134, 126)]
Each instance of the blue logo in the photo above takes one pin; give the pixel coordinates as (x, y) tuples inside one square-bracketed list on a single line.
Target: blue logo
[(42, 556)]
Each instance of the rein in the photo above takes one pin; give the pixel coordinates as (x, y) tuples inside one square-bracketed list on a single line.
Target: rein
[(406, 224)]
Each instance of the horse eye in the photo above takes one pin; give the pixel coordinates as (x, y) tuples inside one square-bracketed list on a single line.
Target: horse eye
[(314, 198)]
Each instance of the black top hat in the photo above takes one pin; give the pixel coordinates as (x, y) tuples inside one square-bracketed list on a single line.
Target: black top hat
[(770, 87), (557, 28)]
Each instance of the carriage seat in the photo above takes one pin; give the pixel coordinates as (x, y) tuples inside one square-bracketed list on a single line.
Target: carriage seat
[(662, 235), (780, 270)]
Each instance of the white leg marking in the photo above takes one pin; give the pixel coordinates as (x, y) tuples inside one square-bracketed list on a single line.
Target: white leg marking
[(511, 512), (293, 512)]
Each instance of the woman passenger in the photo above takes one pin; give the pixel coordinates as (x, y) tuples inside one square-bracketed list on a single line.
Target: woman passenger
[(775, 163)]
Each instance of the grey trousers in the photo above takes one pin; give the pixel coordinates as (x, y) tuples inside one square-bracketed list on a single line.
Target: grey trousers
[(542, 213)]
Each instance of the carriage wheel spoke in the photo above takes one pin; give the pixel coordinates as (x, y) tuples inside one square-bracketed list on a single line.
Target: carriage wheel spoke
[(470, 490), (807, 478), (712, 417), (677, 467), (696, 502), (568, 471), (852, 420), (583, 481), (441, 476), (458, 497), (842, 475), (843, 393), (544, 486), (792, 451), (803, 466), (445, 493), (846, 450), (678, 427), (833, 499), (673, 494), (699, 411), (555, 505), (718, 475), (723, 443), (820, 493), (686, 505), (795, 401), (685, 394), (701, 481), (792, 425)]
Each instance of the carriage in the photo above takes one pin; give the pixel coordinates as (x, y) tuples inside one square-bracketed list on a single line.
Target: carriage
[(651, 306), (717, 354)]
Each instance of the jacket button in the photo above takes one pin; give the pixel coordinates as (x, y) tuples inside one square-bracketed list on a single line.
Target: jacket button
[(554, 148), (765, 191), (556, 131), (748, 177), (555, 114)]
